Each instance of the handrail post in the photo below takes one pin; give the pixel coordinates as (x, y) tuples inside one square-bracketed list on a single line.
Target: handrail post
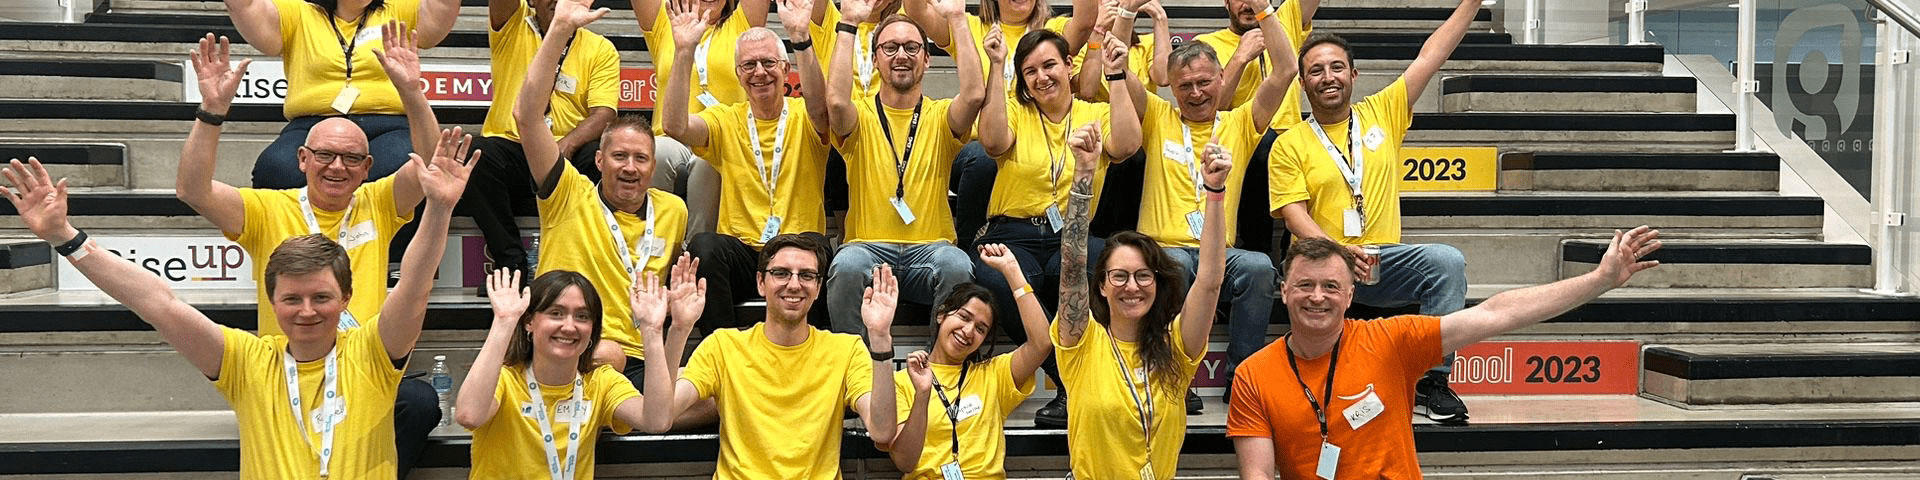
[(1531, 32), (1893, 114), (1636, 22), (1744, 84)]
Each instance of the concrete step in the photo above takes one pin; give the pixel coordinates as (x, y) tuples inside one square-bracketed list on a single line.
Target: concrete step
[(1694, 375), (82, 165), (1542, 93), (1532, 256), (90, 80), (1546, 210), (1639, 172), (25, 264), (1586, 133), (1750, 264)]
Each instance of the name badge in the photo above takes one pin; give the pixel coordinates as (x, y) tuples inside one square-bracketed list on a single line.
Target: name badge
[(1054, 218), (772, 228), (1146, 471), (1374, 138), (654, 246), (707, 99), (969, 406), (1174, 151), (1364, 410), (1354, 228), (369, 36), (566, 84), (1195, 222), (951, 471), (568, 412), (344, 102), (900, 207), (1329, 460), (347, 322), (357, 235)]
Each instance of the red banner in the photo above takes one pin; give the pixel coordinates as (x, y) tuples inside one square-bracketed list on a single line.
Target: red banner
[(1548, 368)]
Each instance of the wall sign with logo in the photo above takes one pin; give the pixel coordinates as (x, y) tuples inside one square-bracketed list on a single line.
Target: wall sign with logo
[(1449, 169), (445, 85), (185, 262), (1548, 368)]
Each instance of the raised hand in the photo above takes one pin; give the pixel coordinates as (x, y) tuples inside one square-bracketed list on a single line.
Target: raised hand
[(218, 78), (1252, 44), (918, 372), (649, 301), (509, 299), (1085, 144), (859, 11), (1218, 163), (878, 302), (689, 22), (1000, 259), (399, 55), (946, 8), (995, 45), (573, 14), (795, 16), (1622, 259), (1116, 54), (1153, 9), (41, 202), (688, 293), (445, 178)]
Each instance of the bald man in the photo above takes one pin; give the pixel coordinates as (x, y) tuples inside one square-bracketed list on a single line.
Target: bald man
[(337, 202)]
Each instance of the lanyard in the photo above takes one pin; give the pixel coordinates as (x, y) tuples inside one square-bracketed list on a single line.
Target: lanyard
[(1193, 162), (1353, 171), (1319, 406), (953, 418), (347, 45), (1144, 408), (700, 60), (1055, 161), (563, 53), (913, 129), (769, 169), (331, 411), (313, 223), (863, 52), (555, 469), (620, 240)]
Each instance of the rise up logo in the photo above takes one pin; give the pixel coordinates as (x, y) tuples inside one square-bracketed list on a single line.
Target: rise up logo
[(184, 262)]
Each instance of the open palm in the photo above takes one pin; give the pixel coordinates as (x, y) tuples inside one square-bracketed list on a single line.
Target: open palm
[(217, 77), (445, 178), (40, 201)]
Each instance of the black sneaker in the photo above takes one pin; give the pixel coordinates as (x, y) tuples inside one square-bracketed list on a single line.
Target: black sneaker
[(1053, 414), (1194, 405), (1437, 401)]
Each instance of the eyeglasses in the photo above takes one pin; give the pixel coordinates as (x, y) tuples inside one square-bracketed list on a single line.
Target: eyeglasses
[(912, 49), (327, 157), (782, 275), (750, 66), (1119, 277)]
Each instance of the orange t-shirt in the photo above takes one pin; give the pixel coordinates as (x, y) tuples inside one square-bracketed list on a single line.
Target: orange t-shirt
[(1383, 357)]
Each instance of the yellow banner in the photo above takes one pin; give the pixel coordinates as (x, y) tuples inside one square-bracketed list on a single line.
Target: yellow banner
[(1449, 169)]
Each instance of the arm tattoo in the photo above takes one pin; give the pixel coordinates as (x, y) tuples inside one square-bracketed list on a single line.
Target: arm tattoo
[(1073, 257)]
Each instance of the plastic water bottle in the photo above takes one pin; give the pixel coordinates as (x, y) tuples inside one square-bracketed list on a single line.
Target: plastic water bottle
[(443, 386)]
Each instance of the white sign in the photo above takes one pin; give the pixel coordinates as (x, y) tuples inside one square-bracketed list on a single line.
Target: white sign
[(445, 85), (185, 262)]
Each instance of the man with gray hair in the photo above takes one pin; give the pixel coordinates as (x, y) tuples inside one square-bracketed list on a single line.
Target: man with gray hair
[(770, 151)]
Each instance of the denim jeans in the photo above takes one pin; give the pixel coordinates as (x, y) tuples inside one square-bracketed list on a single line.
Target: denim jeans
[(279, 164), (927, 272), (1248, 290), (1432, 275)]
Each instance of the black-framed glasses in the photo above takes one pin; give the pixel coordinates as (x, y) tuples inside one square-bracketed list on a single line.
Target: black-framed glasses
[(327, 157), (782, 275), (1118, 277), (891, 49)]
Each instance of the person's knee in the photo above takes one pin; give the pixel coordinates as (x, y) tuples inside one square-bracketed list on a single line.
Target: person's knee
[(608, 352), (951, 265), (1252, 271), (1447, 261), (705, 245), (851, 262), (416, 403)]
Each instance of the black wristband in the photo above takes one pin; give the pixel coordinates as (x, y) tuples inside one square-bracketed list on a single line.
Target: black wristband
[(881, 356), (1117, 77), (67, 249), (209, 117), (847, 28), (1209, 188), (802, 45)]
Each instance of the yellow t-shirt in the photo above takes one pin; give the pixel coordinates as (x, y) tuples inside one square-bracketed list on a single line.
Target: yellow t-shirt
[(575, 237), (591, 63), (1170, 194), (802, 174), (1027, 182), (824, 34), (273, 216), (780, 407), (1300, 169), (984, 403), (1011, 34), (510, 446), (722, 80), (1105, 417), (1139, 63), (316, 66), (873, 174), (1224, 42), (254, 382)]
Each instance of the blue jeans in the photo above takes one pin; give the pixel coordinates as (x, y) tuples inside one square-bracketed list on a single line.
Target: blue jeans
[(1432, 275), (1248, 290), (927, 272), (1038, 251), (279, 164)]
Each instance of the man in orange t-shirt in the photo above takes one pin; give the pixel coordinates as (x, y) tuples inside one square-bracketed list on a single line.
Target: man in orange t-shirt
[(1336, 395)]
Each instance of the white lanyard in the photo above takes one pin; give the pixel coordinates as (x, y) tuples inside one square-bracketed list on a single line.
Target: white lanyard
[(1054, 161), (864, 51), (313, 223), (620, 240), (700, 58), (555, 469), (328, 415), (1354, 170), (1145, 409), (1192, 161), (769, 170)]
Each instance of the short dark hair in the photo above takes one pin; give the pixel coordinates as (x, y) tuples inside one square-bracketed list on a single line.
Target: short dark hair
[(891, 19), (304, 254), (545, 290), (811, 242), (1316, 39), (1315, 248), (636, 122), (1028, 43)]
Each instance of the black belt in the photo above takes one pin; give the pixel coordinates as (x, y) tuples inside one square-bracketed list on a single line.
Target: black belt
[(1041, 222)]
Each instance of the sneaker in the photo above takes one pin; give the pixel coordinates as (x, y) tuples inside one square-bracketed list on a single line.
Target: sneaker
[(1194, 405), (393, 275), (1437, 401), (1053, 414)]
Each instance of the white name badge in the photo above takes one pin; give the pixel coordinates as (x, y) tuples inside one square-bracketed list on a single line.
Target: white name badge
[(1352, 221), (357, 235), (1374, 138), (344, 102), (1054, 218), (566, 84), (1329, 460), (951, 471), (1364, 410), (1195, 223), (329, 415), (900, 207), (569, 412), (772, 228), (654, 246), (1174, 151), (369, 36), (969, 406), (707, 99)]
